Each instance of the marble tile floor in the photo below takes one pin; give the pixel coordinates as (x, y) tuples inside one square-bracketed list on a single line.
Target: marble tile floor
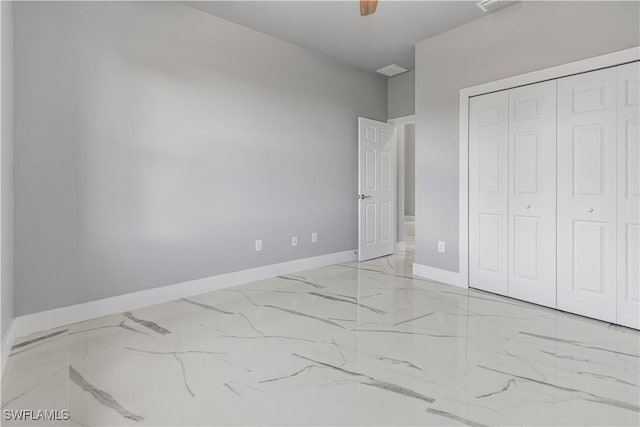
[(350, 344)]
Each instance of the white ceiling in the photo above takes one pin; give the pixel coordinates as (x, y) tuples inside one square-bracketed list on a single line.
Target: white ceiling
[(337, 29)]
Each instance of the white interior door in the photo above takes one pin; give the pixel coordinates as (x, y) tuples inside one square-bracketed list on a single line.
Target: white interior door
[(376, 189), (628, 195), (532, 193), (488, 191), (587, 194)]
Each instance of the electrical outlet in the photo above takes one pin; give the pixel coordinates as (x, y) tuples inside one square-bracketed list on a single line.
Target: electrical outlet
[(314, 237), (441, 246), (294, 241), (258, 245)]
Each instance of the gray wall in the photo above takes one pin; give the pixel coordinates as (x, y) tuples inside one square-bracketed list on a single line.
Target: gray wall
[(401, 91), (410, 169), (6, 166), (155, 143), (523, 37)]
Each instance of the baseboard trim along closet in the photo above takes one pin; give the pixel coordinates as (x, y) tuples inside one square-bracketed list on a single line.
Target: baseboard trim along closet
[(7, 343), (438, 275), (44, 320)]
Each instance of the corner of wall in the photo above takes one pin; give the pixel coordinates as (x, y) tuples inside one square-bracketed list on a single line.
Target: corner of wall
[(7, 342), (401, 95), (6, 172)]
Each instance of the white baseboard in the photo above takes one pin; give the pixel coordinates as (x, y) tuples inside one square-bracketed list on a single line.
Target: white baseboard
[(7, 343), (44, 320), (438, 275)]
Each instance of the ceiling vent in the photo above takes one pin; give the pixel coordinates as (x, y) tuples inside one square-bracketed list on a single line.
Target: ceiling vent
[(491, 5), (391, 70)]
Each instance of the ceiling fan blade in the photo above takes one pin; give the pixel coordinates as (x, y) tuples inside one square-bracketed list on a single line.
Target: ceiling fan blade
[(367, 7)]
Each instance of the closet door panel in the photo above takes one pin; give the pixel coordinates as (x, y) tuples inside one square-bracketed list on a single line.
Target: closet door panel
[(532, 193), (628, 195), (488, 192), (586, 221)]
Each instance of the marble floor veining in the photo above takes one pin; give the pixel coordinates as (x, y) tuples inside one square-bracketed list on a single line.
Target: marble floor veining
[(350, 344)]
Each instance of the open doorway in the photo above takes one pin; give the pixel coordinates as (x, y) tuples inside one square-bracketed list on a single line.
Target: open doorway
[(405, 182), (409, 186)]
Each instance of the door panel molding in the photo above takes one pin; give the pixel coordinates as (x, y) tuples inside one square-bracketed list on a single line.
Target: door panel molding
[(532, 193), (587, 223), (488, 198), (628, 195), (376, 189)]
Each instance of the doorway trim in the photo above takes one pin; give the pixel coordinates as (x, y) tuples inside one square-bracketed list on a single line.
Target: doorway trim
[(577, 67), (399, 123)]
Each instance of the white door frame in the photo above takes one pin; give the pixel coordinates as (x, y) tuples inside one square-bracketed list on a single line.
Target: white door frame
[(461, 278), (399, 123)]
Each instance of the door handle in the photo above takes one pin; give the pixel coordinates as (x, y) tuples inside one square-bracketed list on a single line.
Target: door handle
[(590, 210), (528, 207), (363, 196)]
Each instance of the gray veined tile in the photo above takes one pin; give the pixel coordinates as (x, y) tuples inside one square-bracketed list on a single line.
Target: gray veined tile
[(413, 319), (350, 344), (455, 417), (303, 281), (101, 396), (347, 301), (206, 306), (309, 316), (36, 340), (153, 326)]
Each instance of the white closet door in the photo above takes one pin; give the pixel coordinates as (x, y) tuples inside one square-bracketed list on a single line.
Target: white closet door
[(488, 192), (587, 194), (532, 193), (628, 195)]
